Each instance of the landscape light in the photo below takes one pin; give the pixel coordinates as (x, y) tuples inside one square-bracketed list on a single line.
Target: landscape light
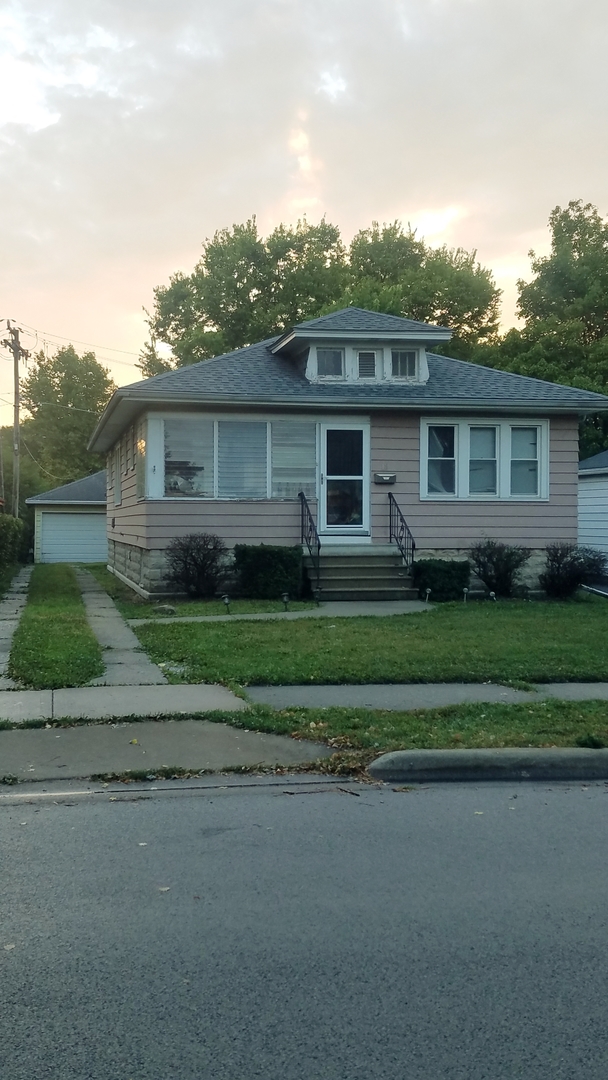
[(226, 600), (285, 599)]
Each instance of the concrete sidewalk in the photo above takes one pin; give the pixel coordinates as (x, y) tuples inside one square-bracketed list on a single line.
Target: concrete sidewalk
[(68, 753), (116, 702), (126, 663), (400, 697), (335, 609)]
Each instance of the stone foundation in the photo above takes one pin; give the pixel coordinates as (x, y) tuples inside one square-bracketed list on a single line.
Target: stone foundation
[(144, 570), (527, 576)]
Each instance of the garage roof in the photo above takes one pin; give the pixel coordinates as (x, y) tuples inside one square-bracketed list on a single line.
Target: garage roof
[(89, 491)]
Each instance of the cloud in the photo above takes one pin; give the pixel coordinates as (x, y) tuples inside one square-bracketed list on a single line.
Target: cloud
[(137, 129)]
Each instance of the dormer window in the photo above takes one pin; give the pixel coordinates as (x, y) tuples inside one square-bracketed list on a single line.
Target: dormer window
[(367, 365), (403, 364), (330, 363)]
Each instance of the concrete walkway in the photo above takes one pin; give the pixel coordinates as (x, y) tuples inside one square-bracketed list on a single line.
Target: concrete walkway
[(335, 609), (399, 697), (52, 754), (11, 610), (126, 663), (116, 702)]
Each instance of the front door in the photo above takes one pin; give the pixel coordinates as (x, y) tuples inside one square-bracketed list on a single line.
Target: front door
[(345, 480)]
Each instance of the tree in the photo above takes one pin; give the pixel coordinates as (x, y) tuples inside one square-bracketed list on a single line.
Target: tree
[(246, 289), (64, 395), (565, 307)]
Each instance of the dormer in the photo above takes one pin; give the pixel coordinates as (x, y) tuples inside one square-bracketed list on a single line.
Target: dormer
[(362, 347)]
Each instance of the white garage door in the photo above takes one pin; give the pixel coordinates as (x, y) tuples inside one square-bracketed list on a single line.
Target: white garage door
[(77, 538)]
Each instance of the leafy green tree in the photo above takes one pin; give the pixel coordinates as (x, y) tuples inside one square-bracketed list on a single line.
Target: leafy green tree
[(565, 311), (65, 395), (247, 289)]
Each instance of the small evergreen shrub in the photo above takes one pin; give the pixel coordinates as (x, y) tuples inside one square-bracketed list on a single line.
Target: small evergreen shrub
[(12, 531), (497, 565), (265, 571), (197, 564), (568, 567), (445, 578)]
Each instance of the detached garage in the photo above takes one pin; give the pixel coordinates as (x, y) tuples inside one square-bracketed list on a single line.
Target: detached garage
[(70, 523), (593, 501)]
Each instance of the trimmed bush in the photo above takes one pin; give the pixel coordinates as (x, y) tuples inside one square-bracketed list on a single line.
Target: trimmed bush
[(445, 578), (12, 532), (265, 571), (197, 564), (497, 565), (568, 567)]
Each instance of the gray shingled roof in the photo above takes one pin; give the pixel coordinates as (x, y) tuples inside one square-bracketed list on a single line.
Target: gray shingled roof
[(598, 461), (371, 322), (255, 375), (89, 490)]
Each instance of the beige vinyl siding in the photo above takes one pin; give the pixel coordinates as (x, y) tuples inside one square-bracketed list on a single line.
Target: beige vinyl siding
[(593, 512), (395, 441)]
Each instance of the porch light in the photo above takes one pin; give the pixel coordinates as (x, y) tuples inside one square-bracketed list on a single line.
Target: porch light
[(285, 599), (226, 600), (464, 594)]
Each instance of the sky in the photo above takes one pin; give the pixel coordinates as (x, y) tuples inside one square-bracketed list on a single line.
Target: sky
[(131, 130)]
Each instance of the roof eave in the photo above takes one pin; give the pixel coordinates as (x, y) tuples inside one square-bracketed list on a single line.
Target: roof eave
[(430, 336)]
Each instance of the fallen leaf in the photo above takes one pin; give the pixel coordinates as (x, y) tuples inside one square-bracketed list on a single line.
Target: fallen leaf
[(7, 948), (164, 888), (133, 742), (480, 812), (143, 844)]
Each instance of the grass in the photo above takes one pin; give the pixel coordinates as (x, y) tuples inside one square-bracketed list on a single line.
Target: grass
[(511, 641), (133, 607), (54, 645)]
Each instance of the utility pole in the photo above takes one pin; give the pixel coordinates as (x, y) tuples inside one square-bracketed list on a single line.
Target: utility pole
[(14, 345)]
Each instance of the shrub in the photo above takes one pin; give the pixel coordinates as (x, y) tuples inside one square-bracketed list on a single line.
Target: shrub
[(197, 563), (497, 565), (12, 532), (568, 567), (265, 571), (445, 578)]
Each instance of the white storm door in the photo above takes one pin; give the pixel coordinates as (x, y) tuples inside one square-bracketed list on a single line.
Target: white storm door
[(344, 495)]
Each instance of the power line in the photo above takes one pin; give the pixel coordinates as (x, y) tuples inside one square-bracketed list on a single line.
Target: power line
[(106, 348)]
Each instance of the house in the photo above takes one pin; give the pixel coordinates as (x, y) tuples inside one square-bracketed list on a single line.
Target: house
[(70, 522), (593, 501), (347, 432)]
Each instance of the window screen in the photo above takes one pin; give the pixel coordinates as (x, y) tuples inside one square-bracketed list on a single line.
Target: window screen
[(524, 461), (188, 458), (294, 459), (482, 461), (367, 365), (330, 362), (242, 459), (442, 460), (404, 364)]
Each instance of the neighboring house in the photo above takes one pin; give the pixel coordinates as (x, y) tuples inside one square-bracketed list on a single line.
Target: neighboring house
[(387, 441), (593, 501), (70, 522)]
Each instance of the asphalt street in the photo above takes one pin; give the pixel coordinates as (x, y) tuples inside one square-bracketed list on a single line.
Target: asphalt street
[(303, 929)]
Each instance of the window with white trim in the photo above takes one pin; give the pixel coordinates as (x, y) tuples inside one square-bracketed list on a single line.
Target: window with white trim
[(403, 363), (330, 363), (484, 459), (366, 364), (140, 458), (239, 459)]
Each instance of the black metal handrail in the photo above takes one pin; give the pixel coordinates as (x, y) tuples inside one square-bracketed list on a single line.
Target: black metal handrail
[(310, 537), (400, 532)]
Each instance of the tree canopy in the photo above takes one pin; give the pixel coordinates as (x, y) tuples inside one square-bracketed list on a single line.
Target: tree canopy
[(64, 396), (246, 288)]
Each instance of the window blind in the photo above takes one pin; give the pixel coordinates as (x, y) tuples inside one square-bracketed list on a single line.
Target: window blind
[(242, 459), (189, 458), (294, 459)]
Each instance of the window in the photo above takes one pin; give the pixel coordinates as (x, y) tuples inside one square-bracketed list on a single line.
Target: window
[(189, 458), (441, 460), (330, 363), (294, 459), (242, 459), (117, 476), (482, 461), (524, 461), (404, 364), (140, 459), (367, 365), (473, 459)]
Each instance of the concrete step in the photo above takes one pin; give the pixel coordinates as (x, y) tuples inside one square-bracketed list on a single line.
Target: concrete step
[(363, 593), (354, 566), (357, 573)]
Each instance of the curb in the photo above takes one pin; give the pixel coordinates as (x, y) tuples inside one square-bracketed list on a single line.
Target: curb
[(557, 763)]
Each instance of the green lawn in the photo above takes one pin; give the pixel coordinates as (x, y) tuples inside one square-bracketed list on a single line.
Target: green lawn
[(514, 641), (133, 607), (54, 645)]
